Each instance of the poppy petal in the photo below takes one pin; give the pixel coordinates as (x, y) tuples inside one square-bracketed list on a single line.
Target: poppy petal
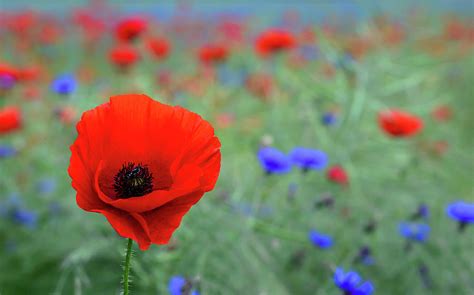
[(163, 221), (126, 226)]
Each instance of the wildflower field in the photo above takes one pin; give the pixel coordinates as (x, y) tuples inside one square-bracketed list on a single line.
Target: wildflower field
[(320, 148)]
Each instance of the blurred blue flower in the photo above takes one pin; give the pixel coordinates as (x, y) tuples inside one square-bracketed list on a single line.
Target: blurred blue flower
[(350, 283), (418, 232), (320, 240), (6, 81), (178, 285), (309, 52), (274, 161), (461, 211), (64, 84), (24, 217), (365, 256), (306, 158), (368, 260), (7, 151), (329, 118), (46, 186), (423, 211)]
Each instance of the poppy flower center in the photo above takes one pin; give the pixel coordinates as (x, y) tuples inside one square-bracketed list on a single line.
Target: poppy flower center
[(133, 180)]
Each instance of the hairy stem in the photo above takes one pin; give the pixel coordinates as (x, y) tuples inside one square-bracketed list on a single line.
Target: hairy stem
[(126, 268)]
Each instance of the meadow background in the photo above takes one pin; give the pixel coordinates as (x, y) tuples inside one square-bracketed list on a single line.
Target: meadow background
[(250, 235)]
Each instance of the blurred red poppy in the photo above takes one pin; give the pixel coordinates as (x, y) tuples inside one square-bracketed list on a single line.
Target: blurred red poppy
[(66, 115), (143, 165), (50, 32), (338, 175), (131, 28), (260, 85), (30, 73), (274, 40), (394, 34), (232, 31), (399, 124), (10, 119), (357, 47), (442, 113), (123, 56), (92, 27), (455, 30), (23, 23), (8, 70), (213, 53), (159, 47)]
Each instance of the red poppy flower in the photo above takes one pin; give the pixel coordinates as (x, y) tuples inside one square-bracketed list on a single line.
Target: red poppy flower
[(131, 28), (273, 41), (213, 53), (143, 165), (399, 124), (159, 47), (8, 70), (10, 119), (123, 56), (337, 174)]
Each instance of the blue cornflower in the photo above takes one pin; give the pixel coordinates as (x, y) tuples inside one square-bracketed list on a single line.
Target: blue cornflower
[(329, 119), (350, 283), (274, 161), (320, 240), (178, 285), (7, 151), (307, 159), (418, 232), (25, 217), (46, 186), (462, 212), (64, 84)]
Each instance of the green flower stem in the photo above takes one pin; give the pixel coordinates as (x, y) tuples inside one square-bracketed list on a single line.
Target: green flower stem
[(278, 232), (126, 269)]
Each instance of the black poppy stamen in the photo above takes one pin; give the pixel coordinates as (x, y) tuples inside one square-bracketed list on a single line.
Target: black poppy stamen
[(133, 181)]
